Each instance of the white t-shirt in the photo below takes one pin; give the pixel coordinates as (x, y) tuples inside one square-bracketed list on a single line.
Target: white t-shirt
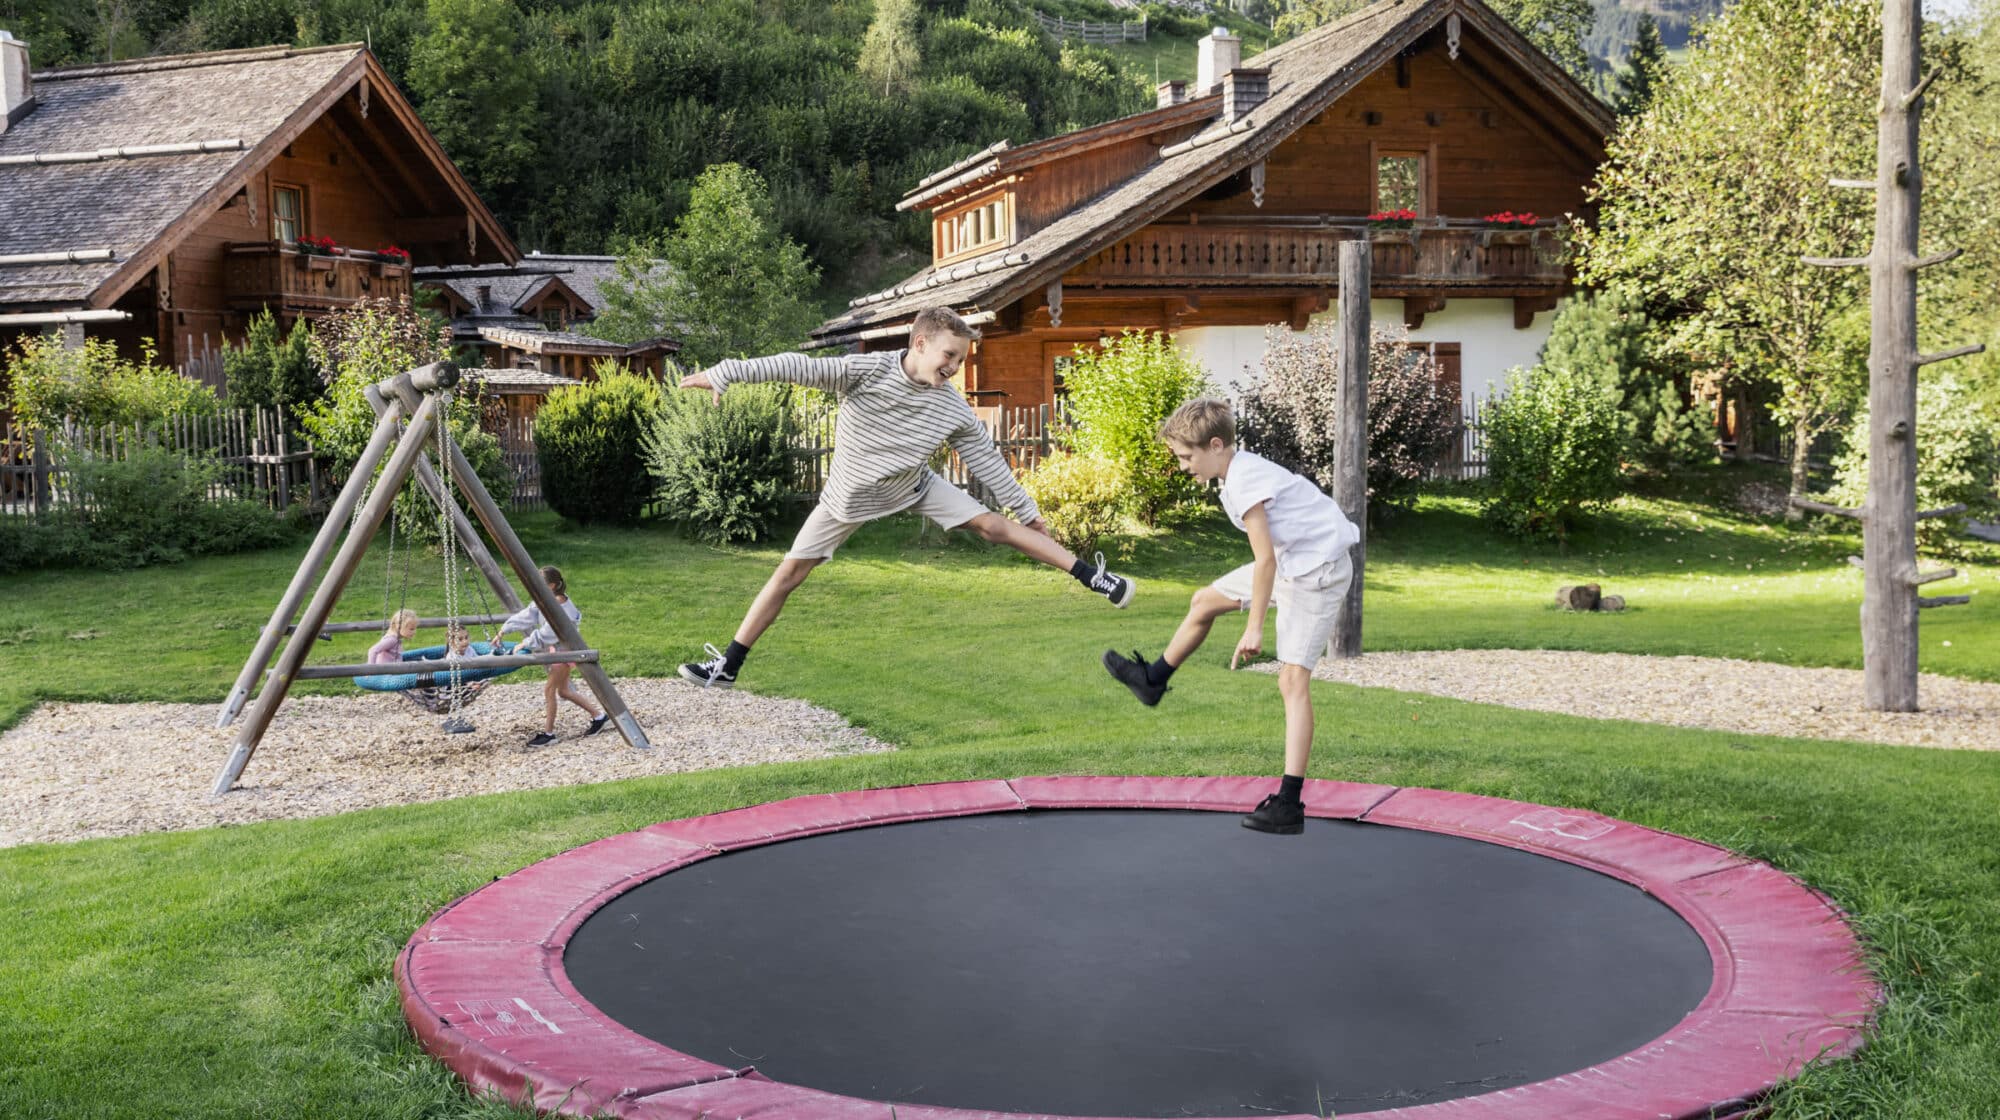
[(1307, 527), (529, 618)]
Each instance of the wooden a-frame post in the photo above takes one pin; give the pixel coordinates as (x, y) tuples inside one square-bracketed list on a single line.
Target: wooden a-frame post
[(1890, 602), (418, 393)]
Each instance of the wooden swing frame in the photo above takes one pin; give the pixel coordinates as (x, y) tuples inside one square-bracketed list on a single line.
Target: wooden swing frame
[(416, 395)]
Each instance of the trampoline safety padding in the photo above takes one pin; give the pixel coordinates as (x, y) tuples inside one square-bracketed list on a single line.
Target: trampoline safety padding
[(1118, 946)]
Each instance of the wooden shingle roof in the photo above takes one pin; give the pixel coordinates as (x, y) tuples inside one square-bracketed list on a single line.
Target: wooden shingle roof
[(1307, 75), (135, 204)]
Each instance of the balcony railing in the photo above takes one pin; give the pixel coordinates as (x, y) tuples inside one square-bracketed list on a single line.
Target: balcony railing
[(1449, 256), (268, 274)]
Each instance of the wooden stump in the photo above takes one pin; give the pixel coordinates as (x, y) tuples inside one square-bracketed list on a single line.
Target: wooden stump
[(1580, 598), (1611, 603)]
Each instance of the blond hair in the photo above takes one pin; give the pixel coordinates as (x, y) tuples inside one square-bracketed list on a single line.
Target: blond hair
[(1195, 423), (405, 615), (932, 321)]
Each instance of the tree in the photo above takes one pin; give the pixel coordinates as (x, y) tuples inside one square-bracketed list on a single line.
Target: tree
[(1610, 337), (733, 287), (1644, 65), (889, 54), (273, 370), (476, 90), (1708, 200)]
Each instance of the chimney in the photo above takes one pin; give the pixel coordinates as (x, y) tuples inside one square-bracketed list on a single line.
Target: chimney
[(485, 297), (1243, 89), (17, 91), (1219, 54), (1170, 93)]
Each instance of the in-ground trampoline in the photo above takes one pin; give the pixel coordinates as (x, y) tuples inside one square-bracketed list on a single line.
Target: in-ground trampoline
[(1120, 947)]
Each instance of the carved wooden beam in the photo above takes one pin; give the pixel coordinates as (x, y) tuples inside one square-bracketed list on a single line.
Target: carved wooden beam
[(1416, 307), (1527, 307)]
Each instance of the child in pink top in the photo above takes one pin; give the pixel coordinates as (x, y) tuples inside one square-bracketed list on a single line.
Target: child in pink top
[(402, 624)]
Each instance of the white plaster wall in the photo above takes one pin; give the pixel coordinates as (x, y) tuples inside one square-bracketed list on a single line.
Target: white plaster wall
[(1225, 352), (1489, 345)]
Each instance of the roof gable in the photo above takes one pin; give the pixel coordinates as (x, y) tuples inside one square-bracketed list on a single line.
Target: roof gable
[(76, 174), (1307, 75)]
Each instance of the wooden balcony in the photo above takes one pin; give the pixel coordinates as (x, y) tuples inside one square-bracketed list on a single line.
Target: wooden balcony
[(267, 274), (1469, 258)]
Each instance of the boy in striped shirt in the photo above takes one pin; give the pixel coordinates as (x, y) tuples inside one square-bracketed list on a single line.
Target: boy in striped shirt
[(896, 409)]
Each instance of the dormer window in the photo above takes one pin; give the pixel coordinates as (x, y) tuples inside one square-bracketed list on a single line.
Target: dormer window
[(552, 316), (987, 224)]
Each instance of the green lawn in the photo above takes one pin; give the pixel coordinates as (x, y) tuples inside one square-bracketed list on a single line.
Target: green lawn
[(246, 971)]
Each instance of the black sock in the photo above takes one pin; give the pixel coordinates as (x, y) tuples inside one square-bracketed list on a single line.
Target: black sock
[(732, 658), (1082, 571), (1290, 787), (1159, 671)]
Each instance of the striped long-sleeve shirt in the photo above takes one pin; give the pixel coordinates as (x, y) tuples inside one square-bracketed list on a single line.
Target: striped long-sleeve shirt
[(889, 427)]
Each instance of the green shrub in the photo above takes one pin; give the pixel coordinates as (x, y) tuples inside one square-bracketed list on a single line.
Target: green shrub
[(1552, 444), (273, 371), (590, 441), (151, 507), (1958, 459), (1610, 337), (1118, 398), (1291, 415), (1082, 497), (371, 342), (723, 472), (94, 386)]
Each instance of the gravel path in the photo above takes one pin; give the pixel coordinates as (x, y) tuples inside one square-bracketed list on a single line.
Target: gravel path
[(82, 770), (1709, 692)]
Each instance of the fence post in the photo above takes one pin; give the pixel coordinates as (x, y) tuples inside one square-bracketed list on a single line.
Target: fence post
[(39, 500), (284, 468)]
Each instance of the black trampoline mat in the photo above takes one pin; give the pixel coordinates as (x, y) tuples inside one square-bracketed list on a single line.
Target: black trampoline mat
[(1142, 963)]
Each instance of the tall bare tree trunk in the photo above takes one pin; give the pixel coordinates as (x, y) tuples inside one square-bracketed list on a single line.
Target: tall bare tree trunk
[(1351, 433), (1889, 526)]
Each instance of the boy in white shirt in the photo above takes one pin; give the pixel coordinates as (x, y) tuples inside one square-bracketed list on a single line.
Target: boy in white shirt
[(1301, 540)]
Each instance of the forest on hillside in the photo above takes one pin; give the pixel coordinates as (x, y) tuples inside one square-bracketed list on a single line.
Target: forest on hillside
[(584, 123)]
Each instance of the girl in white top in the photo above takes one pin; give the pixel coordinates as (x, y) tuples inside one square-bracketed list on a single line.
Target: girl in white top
[(1301, 540), (541, 636)]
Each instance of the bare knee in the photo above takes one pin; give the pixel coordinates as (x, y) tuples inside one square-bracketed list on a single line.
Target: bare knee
[(793, 572), (1210, 603), (1294, 681), (991, 527)]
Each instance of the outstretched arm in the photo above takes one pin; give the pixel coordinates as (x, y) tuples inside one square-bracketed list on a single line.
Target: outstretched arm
[(831, 374)]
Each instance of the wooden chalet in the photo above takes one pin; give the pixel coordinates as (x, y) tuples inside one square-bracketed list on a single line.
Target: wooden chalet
[(164, 198), (1221, 211), (529, 324)]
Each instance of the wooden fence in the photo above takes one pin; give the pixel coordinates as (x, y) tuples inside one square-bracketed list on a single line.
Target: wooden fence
[(1025, 437), (263, 460), (1128, 31), (1467, 457)]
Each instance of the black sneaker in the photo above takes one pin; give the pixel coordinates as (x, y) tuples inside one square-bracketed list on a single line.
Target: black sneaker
[(1275, 814), (1131, 672), (1114, 587), (710, 673), (541, 739), (596, 725)]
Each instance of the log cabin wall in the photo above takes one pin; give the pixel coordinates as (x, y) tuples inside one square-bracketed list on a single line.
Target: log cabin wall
[(1484, 157)]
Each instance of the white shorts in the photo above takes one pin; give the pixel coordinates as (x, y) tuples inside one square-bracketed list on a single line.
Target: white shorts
[(1306, 606), (823, 533)]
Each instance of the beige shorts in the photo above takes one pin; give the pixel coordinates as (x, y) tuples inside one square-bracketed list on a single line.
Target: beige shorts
[(823, 533), (1306, 606)]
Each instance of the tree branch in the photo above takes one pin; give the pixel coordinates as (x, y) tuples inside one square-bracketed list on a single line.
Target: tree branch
[(1922, 578), (1947, 511), (1944, 601), (1936, 258), (1947, 355), (1910, 98), (1822, 507), (1852, 184), (1835, 262)]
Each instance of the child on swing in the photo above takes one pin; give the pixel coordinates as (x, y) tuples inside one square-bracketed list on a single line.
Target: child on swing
[(541, 635), (402, 626), (897, 408), (1300, 540)]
